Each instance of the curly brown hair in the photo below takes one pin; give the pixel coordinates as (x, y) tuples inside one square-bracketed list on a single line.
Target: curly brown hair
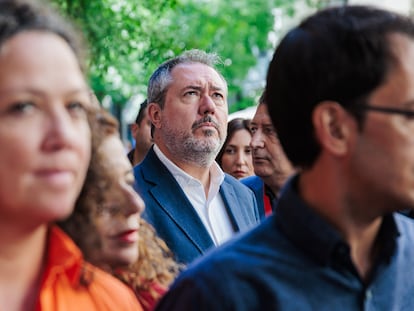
[(156, 264)]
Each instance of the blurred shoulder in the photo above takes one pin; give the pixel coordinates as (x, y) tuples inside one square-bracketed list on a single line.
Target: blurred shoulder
[(252, 181), (233, 181)]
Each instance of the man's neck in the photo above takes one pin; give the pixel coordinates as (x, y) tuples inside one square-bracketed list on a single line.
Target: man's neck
[(361, 241), (274, 183), (201, 173), (138, 157), (327, 195)]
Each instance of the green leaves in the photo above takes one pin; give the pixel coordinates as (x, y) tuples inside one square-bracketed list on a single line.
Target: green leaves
[(128, 39)]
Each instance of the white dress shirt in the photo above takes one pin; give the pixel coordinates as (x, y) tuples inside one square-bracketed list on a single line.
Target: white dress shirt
[(211, 210)]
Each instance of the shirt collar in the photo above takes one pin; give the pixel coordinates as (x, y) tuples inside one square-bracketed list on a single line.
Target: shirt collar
[(216, 174), (314, 235), (63, 257), (184, 179), (216, 179)]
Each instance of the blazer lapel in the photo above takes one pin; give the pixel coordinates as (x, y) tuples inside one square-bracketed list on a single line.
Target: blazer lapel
[(171, 198), (234, 208)]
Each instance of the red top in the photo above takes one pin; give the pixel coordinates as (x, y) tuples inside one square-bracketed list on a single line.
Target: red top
[(147, 300), (267, 204)]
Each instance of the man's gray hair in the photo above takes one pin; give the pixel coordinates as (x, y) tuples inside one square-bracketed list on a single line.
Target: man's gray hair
[(161, 78)]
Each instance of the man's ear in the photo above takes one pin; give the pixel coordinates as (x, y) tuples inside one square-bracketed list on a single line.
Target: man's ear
[(133, 128), (155, 114), (333, 127)]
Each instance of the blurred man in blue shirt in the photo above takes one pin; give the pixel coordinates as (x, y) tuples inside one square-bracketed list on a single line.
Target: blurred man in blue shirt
[(340, 92)]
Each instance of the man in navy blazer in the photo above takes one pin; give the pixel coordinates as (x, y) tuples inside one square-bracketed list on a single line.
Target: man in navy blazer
[(271, 166), (192, 204)]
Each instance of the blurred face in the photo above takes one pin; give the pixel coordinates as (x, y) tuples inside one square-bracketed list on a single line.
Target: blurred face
[(118, 222), (382, 164), (237, 156), (44, 132), (269, 160), (193, 124), (142, 134)]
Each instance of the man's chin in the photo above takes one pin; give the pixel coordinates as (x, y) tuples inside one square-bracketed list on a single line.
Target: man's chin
[(262, 171), (209, 132)]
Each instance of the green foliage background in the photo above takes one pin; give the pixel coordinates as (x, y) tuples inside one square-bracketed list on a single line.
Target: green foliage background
[(128, 39)]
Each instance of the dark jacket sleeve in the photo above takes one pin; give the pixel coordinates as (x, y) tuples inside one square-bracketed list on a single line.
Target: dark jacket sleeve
[(187, 295)]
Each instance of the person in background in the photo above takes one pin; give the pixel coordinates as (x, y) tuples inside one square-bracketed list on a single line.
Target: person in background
[(191, 203), (235, 157), (44, 156), (340, 93), (141, 131), (271, 166), (106, 223)]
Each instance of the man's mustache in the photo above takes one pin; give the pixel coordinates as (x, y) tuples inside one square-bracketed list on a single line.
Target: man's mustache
[(206, 119)]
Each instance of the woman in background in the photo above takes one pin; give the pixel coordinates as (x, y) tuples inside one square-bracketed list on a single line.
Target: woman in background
[(235, 157), (107, 224), (44, 156)]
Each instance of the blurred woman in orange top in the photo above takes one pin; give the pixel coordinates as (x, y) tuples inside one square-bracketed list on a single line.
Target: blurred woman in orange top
[(45, 150)]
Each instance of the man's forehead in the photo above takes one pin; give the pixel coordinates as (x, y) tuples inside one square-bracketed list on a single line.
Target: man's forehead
[(397, 89), (261, 116), (262, 122), (197, 74)]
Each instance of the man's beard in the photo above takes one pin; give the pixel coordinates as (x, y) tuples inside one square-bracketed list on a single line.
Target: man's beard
[(199, 151)]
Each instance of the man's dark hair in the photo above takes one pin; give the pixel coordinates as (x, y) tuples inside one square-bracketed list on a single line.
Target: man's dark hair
[(161, 79), (262, 98), (141, 112), (339, 54)]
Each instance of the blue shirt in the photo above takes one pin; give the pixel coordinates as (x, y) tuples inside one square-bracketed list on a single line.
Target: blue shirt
[(295, 260)]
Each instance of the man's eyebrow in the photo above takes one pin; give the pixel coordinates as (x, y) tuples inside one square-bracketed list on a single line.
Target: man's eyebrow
[(217, 88), (193, 87), (200, 88)]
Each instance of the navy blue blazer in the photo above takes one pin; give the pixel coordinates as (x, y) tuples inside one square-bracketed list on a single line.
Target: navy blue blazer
[(174, 218), (256, 184)]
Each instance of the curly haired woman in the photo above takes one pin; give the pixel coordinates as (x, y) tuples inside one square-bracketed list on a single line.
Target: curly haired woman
[(106, 223)]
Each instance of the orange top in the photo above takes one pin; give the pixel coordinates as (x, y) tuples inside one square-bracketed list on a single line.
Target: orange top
[(62, 288)]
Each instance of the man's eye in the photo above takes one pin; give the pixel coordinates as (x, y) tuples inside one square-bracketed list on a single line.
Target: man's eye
[(191, 93), (270, 131)]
